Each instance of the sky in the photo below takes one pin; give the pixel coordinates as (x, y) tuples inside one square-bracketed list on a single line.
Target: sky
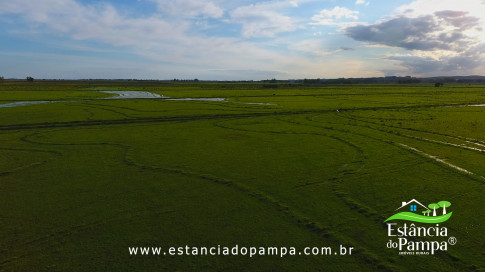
[(240, 39)]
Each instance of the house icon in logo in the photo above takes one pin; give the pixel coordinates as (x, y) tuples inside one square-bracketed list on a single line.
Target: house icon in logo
[(411, 206), (409, 211)]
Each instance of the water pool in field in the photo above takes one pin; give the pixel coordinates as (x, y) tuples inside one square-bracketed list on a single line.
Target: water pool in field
[(214, 99), (131, 94), (144, 95), (22, 103), (118, 95)]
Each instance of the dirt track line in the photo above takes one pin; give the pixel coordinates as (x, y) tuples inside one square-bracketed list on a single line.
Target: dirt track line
[(199, 117), (442, 161), (446, 143), (134, 121)]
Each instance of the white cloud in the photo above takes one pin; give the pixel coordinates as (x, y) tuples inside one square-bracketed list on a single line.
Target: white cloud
[(264, 19), (166, 47), (362, 2), (330, 16), (314, 47), (422, 7), (473, 8), (442, 36), (461, 24), (172, 43), (339, 12), (190, 8)]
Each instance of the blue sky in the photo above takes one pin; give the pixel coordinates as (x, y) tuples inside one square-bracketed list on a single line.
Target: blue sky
[(240, 39)]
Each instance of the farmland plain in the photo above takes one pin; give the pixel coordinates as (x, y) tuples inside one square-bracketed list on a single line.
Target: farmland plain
[(83, 178)]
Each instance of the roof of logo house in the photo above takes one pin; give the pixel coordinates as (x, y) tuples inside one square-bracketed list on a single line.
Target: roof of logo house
[(426, 217), (404, 204)]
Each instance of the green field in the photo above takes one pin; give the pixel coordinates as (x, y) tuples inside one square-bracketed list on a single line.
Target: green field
[(83, 178)]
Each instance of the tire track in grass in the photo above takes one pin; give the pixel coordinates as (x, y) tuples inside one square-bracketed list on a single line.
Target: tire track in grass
[(474, 177), (337, 180), (442, 161), (360, 134), (99, 107), (226, 106), (71, 230), (182, 118), (358, 160), (379, 218), (475, 142), (455, 137), (300, 220), (384, 141), (462, 146), (199, 117), (352, 204), (22, 167), (338, 191)]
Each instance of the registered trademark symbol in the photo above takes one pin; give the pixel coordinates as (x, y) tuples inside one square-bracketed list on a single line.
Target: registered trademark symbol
[(452, 241)]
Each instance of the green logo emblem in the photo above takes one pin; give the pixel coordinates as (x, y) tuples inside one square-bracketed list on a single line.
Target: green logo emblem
[(408, 210)]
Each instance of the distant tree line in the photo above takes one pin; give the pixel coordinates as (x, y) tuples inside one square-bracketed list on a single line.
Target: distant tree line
[(185, 80), (317, 81), (375, 80), (276, 83)]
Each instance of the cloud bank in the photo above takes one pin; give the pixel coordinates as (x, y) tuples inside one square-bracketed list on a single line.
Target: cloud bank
[(448, 40), (243, 39), (169, 36)]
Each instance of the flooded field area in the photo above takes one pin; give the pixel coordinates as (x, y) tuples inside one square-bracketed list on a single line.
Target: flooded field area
[(118, 95)]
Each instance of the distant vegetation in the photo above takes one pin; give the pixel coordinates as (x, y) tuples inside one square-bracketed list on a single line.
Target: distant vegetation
[(317, 81), (322, 81), (277, 163)]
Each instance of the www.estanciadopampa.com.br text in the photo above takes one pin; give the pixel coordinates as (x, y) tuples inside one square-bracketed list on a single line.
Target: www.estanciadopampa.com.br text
[(237, 250)]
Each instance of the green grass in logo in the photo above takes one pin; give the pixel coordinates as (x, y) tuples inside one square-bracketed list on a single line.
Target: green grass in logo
[(409, 216)]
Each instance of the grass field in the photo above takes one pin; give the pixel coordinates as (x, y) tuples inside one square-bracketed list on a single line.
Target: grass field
[(84, 178)]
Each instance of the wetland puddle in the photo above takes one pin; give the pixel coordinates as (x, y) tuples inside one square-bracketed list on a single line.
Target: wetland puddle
[(145, 95), (119, 95), (214, 99), (131, 94), (22, 103)]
